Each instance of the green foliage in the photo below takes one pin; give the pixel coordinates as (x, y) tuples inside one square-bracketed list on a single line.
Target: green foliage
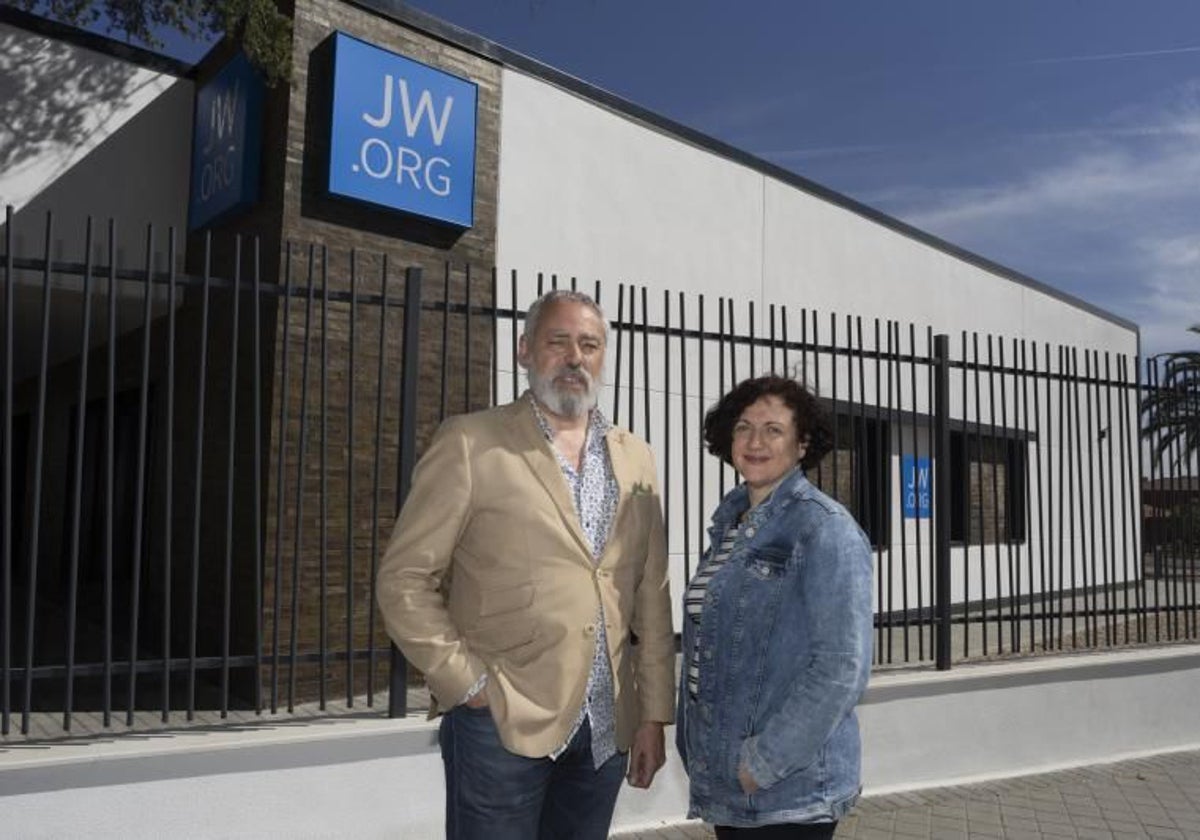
[(263, 32), (1172, 410)]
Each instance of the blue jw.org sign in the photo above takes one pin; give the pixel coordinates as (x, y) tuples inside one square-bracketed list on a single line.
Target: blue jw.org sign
[(403, 134), (914, 477), (226, 145)]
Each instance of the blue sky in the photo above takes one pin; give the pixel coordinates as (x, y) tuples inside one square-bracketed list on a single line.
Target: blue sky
[(1058, 137)]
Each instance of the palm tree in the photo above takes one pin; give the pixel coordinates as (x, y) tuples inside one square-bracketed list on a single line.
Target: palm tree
[(1172, 409)]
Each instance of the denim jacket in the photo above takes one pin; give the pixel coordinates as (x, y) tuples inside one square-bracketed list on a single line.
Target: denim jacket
[(784, 654)]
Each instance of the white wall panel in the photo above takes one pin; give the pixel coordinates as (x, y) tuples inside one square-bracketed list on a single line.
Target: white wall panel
[(588, 192)]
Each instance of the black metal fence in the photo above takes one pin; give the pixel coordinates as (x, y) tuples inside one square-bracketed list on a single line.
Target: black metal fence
[(199, 471)]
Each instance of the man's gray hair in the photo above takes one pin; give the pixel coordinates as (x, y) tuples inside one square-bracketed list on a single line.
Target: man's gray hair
[(561, 296)]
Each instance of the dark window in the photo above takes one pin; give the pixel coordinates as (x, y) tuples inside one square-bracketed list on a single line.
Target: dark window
[(858, 474), (987, 477)]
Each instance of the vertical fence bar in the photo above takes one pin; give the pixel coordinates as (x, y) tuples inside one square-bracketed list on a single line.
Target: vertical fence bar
[(1125, 456), (1087, 449), (861, 470), (197, 467), (140, 484), (816, 354), (616, 379), (771, 340), (964, 489), (942, 497), (1075, 455), (494, 399), (1045, 507), (323, 460), (230, 464), (632, 356), (733, 342), (1110, 544), (721, 386), (700, 511), (930, 401), (783, 335), (1066, 551), (918, 559), (1175, 567), (1002, 526), (197, 496), (168, 481), (376, 474), (645, 366), (109, 449), (753, 341), (36, 511), (979, 481), (1034, 437), (6, 511), (684, 448), (876, 466), (350, 450), (1133, 505), (1100, 545), (993, 445), (281, 475), (513, 338), (85, 343), (895, 426), (259, 572), (833, 398), (301, 452), (666, 392), (410, 367), (1150, 469)]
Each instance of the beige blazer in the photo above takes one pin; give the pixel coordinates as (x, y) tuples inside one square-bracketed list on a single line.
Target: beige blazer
[(488, 570)]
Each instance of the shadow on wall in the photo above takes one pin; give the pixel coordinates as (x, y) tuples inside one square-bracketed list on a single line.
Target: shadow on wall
[(53, 98)]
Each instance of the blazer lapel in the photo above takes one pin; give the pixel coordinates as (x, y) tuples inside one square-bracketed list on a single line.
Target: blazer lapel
[(537, 454), (626, 473)]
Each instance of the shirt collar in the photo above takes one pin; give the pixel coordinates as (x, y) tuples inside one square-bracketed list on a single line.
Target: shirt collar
[(598, 425)]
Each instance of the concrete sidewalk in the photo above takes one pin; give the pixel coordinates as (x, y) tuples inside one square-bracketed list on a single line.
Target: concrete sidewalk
[(1156, 797)]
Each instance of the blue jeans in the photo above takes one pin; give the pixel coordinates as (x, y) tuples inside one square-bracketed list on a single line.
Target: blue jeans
[(495, 794)]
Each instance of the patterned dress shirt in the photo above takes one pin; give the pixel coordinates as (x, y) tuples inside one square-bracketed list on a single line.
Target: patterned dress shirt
[(595, 493)]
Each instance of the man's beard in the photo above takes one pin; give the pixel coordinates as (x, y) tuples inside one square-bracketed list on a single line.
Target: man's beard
[(564, 402)]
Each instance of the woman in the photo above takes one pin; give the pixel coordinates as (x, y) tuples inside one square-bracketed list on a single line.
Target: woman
[(776, 630)]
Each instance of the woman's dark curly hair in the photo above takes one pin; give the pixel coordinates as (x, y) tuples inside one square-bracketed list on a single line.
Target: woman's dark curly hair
[(808, 415)]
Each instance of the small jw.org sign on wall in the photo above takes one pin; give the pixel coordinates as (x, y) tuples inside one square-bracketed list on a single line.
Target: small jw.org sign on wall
[(914, 478), (402, 134), (226, 143)]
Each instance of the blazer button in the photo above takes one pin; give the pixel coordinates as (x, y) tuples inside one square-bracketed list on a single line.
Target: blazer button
[(589, 630)]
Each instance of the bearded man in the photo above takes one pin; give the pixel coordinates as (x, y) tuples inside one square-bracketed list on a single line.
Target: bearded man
[(527, 578)]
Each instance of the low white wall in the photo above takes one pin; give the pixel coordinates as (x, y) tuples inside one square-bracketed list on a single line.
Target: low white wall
[(374, 778)]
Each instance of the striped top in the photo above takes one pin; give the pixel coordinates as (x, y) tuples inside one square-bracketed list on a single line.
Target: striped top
[(693, 601)]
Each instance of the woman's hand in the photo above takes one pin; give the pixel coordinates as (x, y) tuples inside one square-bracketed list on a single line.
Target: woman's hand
[(749, 786)]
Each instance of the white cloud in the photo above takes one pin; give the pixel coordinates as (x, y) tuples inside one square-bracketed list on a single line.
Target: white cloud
[(1129, 188)]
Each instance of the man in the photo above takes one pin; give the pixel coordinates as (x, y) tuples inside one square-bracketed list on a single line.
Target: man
[(529, 556)]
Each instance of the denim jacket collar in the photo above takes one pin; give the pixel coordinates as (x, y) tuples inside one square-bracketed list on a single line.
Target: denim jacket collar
[(794, 486)]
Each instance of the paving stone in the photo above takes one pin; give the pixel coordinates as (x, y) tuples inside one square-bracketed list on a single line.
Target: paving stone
[(1156, 797)]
